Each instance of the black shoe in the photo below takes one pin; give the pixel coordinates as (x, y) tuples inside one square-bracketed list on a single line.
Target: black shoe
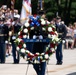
[(59, 63), (2, 62), (16, 62)]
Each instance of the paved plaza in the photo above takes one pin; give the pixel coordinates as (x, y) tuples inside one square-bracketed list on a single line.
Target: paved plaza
[(67, 68)]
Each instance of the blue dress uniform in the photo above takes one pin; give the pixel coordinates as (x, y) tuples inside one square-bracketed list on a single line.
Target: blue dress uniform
[(3, 38), (62, 31), (39, 47), (16, 29)]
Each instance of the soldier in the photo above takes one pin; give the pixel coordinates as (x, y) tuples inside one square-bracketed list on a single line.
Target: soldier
[(62, 31), (15, 28), (3, 38)]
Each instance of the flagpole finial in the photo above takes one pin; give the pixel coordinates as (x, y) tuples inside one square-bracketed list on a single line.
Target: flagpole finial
[(41, 7)]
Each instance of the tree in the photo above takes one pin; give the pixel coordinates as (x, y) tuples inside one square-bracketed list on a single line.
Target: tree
[(65, 8)]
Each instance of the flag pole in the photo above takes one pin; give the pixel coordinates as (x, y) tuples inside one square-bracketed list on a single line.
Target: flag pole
[(12, 8), (41, 7), (12, 11), (42, 4)]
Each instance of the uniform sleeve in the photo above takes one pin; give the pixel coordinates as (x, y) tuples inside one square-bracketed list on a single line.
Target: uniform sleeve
[(64, 32), (6, 32)]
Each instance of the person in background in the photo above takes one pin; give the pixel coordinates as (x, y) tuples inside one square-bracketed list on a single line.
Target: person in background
[(69, 37), (15, 28), (61, 29), (8, 45), (75, 34)]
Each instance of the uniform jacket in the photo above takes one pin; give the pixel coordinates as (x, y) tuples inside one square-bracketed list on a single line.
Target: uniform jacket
[(62, 31), (3, 33)]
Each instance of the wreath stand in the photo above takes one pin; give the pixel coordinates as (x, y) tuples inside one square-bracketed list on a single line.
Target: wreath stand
[(29, 41), (41, 31), (28, 68)]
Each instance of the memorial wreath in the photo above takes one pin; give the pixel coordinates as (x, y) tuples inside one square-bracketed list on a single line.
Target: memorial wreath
[(32, 23)]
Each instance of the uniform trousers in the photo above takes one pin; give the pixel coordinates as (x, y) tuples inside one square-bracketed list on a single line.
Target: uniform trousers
[(15, 53), (59, 55), (2, 52)]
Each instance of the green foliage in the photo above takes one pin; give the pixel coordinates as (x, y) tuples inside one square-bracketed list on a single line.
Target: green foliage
[(65, 9)]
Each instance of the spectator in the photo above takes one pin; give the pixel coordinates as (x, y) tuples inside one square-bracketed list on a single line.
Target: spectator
[(69, 37), (75, 34)]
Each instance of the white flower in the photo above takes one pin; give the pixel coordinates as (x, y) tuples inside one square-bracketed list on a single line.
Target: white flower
[(35, 61), (49, 29), (17, 48), (47, 48), (43, 29), (63, 41), (26, 24), (42, 53), (43, 60), (24, 36), (40, 37), (41, 57), (37, 53), (42, 19), (10, 33), (53, 26), (49, 36), (25, 30), (19, 39), (13, 37), (55, 47), (27, 51), (55, 38), (32, 28), (24, 45), (6, 41), (31, 54), (18, 33), (52, 49), (43, 23), (34, 37), (46, 56), (23, 50), (48, 22)]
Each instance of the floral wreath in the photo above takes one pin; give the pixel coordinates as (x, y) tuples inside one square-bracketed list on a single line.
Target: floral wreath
[(29, 25)]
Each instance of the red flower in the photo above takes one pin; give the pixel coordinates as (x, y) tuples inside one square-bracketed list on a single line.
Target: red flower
[(52, 33), (20, 36), (35, 55), (46, 52), (29, 55), (20, 46), (52, 45), (30, 21), (22, 41), (53, 29), (35, 15)]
